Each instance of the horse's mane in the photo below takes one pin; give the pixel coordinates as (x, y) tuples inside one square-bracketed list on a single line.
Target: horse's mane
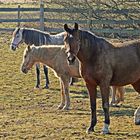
[(50, 49), (36, 37), (92, 39)]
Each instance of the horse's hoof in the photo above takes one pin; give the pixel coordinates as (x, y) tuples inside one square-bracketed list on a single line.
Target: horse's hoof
[(65, 108), (60, 107), (37, 87), (90, 130), (112, 104), (105, 132), (71, 84), (105, 129), (46, 87), (120, 103)]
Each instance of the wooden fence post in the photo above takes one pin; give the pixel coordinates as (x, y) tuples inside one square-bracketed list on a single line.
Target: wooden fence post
[(41, 15), (18, 16), (89, 22)]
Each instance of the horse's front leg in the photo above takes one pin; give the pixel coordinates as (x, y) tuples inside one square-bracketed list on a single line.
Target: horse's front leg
[(92, 94), (104, 87), (62, 95), (46, 76), (65, 81), (38, 76)]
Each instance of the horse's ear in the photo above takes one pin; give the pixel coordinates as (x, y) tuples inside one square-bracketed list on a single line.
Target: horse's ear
[(66, 28), (76, 26)]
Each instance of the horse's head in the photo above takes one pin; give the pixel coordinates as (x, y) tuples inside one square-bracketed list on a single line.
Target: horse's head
[(72, 42), (17, 38), (28, 60)]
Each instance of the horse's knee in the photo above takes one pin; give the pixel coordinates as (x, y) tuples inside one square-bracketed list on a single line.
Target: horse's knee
[(105, 106), (93, 106)]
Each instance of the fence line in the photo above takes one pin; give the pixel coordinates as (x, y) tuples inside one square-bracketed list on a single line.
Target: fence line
[(90, 21), (71, 10)]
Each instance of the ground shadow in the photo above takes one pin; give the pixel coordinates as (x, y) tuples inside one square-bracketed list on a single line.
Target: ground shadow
[(118, 113)]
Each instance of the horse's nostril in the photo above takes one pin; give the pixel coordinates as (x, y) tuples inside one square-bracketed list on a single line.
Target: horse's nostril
[(12, 47), (24, 70)]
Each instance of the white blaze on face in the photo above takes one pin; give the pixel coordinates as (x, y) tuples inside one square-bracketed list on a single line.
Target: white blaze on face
[(17, 38)]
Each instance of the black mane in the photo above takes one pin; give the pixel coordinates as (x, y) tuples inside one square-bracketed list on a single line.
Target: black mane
[(91, 39), (36, 37)]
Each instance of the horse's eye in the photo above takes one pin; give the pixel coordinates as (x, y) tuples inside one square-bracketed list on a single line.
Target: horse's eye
[(25, 56)]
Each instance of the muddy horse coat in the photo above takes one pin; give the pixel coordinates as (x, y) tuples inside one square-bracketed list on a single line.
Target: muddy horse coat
[(103, 65)]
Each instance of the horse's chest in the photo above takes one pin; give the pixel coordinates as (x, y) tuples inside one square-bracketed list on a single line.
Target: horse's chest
[(91, 73)]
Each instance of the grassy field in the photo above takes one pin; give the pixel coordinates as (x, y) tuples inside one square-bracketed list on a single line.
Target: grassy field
[(30, 114)]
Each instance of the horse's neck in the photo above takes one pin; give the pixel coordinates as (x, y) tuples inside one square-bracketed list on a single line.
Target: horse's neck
[(91, 50), (38, 38), (35, 37), (57, 39)]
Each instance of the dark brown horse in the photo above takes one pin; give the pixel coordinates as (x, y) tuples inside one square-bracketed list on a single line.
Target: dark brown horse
[(103, 65)]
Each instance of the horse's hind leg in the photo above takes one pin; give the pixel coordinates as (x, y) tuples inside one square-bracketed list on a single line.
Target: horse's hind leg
[(113, 99), (136, 86), (120, 95), (117, 95), (62, 96), (46, 76), (38, 75)]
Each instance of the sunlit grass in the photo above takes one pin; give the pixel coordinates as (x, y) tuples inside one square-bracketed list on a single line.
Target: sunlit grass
[(26, 113)]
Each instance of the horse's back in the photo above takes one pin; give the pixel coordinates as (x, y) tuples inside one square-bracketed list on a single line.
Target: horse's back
[(125, 61), (60, 62)]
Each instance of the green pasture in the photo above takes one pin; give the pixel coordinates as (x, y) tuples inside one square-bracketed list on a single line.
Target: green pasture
[(29, 114)]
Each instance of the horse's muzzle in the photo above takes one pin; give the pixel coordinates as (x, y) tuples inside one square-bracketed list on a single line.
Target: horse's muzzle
[(12, 47), (71, 60), (24, 70)]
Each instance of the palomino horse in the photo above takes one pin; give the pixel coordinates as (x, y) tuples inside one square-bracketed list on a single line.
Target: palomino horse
[(103, 65), (56, 59), (33, 36)]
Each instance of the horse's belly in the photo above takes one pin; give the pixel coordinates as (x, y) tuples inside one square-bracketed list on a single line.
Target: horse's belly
[(125, 78)]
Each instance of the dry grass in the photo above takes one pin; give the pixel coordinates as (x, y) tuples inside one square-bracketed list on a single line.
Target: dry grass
[(26, 113)]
